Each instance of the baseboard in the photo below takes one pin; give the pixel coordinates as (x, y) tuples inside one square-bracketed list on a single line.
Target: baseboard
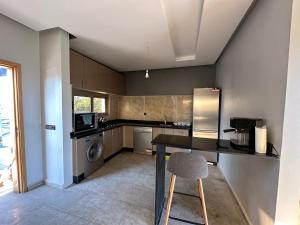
[(36, 185), (78, 179), (118, 152), (50, 184), (237, 200), (125, 149)]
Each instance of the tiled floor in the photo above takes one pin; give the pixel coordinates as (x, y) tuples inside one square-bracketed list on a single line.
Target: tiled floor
[(121, 193)]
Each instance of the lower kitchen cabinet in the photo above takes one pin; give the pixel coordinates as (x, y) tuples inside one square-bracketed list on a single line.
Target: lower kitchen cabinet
[(155, 132), (107, 143), (112, 141), (128, 136), (120, 140), (180, 132), (122, 137), (117, 139)]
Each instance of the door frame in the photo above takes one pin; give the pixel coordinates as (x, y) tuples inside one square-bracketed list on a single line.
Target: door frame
[(20, 178)]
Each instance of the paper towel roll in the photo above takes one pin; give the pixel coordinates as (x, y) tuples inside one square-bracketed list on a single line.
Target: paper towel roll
[(261, 139)]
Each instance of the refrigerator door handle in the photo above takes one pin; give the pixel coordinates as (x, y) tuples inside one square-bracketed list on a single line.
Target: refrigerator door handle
[(205, 131)]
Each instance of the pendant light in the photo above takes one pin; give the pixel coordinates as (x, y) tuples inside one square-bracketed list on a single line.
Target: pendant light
[(147, 71)]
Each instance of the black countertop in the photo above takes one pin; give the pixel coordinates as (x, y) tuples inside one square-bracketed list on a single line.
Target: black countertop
[(118, 123), (202, 144)]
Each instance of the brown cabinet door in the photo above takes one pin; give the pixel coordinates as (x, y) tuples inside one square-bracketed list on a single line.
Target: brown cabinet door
[(104, 82), (115, 140), (181, 132), (118, 81), (90, 75), (168, 131), (110, 81), (76, 69), (128, 136), (107, 143), (120, 140), (155, 132)]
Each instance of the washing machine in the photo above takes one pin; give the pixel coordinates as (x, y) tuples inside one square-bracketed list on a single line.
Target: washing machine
[(87, 156)]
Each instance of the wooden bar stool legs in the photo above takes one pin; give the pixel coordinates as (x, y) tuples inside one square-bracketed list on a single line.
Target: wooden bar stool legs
[(201, 196), (190, 166), (202, 199), (170, 196)]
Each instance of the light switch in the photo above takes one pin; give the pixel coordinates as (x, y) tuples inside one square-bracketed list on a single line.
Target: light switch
[(50, 127)]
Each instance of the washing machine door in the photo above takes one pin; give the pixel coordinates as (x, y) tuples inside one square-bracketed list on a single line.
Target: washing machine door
[(94, 152)]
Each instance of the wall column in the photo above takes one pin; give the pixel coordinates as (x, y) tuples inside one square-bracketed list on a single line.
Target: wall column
[(56, 106)]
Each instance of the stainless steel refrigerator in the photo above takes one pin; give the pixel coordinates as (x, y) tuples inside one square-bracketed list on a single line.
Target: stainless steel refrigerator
[(206, 110)]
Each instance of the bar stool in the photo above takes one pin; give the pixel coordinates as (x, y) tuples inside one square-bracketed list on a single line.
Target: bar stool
[(187, 165)]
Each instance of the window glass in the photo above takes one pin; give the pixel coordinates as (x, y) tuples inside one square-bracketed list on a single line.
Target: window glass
[(99, 105), (82, 104)]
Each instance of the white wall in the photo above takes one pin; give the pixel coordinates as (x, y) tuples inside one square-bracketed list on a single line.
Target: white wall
[(289, 173), (21, 45), (57, 106), (252, 74)]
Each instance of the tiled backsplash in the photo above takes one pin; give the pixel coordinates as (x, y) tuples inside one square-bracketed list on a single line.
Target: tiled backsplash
[(132, 107), (113, 105), (158, 108)]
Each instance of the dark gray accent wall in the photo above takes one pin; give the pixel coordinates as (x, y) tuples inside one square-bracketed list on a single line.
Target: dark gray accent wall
[(252, 73), (174, 81)]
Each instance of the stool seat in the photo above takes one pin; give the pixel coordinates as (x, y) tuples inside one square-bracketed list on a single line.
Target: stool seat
[(188, 165)]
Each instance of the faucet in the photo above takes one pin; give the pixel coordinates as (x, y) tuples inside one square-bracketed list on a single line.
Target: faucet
[(165, 119)]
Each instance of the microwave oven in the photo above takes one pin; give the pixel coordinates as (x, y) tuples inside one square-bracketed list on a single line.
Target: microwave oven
[(84, 121)]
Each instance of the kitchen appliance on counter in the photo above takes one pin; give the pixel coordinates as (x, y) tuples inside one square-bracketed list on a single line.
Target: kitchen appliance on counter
[(206, 108), (243, 133), (84, 121)]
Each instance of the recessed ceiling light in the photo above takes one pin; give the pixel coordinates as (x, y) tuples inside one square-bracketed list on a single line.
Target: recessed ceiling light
[(183, 19)]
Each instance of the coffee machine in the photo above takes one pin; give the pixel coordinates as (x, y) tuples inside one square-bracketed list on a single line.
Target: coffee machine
[(243, 133)]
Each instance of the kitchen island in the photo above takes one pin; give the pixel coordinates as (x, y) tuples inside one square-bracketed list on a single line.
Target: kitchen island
[(195, 144)]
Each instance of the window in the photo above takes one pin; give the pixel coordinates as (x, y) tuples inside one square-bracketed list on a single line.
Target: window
[(82, 104), (99, 105)]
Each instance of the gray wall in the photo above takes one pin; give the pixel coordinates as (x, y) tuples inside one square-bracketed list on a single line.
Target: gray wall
[(21, 45), (287, 210), (252, 74), (175, 81)]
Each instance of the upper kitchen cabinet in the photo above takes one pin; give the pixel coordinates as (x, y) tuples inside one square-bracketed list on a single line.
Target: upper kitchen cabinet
[(88, 74), (104, 80), (118, 81), (111, 81), (76, 69)]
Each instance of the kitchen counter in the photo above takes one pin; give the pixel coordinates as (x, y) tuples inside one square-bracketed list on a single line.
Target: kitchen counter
[(196, 144), (203, 144), (118, 123)]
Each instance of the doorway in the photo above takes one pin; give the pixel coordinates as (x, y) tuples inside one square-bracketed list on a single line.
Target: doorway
[(12, 160)]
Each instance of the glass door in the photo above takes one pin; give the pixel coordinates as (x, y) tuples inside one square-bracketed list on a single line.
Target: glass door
[(7, 129)]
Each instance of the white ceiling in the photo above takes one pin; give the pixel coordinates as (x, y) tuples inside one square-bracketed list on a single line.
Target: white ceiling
[(132, 35)]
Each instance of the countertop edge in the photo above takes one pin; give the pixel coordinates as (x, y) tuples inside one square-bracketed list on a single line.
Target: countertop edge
[(118, 123), (215, 145)]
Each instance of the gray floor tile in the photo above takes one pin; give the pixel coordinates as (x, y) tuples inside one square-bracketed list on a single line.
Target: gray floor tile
[(120, 193)]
